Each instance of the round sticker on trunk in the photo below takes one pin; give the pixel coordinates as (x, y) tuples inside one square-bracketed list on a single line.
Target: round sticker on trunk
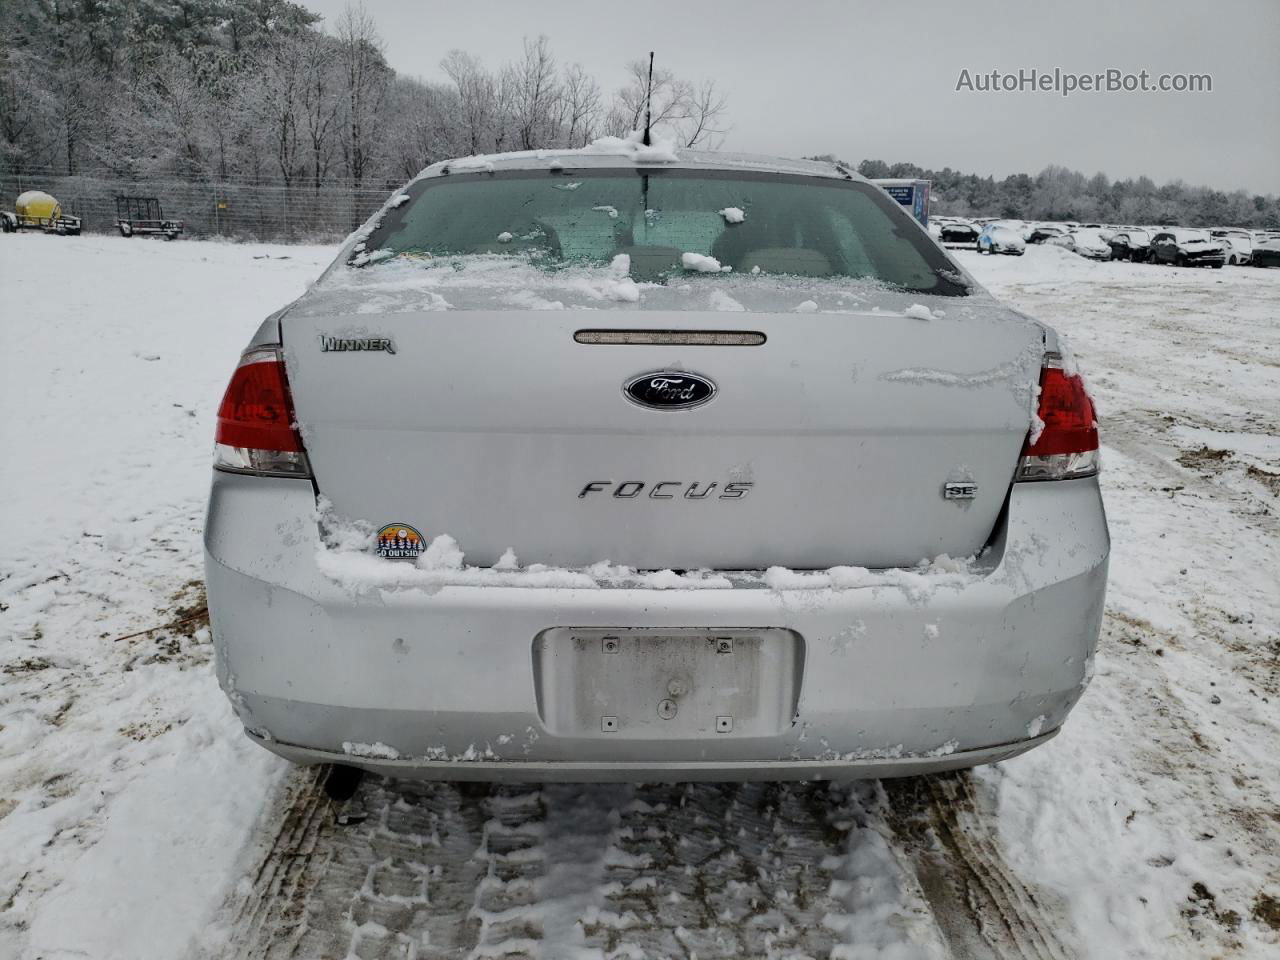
[(399, 541)]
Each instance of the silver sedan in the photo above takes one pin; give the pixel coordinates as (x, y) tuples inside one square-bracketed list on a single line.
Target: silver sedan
[(635, 464)]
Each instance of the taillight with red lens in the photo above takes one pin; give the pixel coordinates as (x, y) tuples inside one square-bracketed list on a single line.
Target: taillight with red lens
[(256, 432), (1067, 445)]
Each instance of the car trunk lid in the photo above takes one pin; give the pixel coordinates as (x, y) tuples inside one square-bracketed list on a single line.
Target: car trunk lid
[(830, 442)]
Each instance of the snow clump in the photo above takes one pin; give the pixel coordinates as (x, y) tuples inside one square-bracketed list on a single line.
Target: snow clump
[(701, 263), (375, 751), (659, 150), (442, 554)]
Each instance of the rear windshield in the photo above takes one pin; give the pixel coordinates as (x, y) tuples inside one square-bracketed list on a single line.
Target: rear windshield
[(670, 223)]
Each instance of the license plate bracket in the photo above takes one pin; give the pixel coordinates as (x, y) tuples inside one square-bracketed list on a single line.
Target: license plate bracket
[(667, 683)]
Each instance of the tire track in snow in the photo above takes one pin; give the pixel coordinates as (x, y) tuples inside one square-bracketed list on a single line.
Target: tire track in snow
[(723, 870), (512, 855), (470, 870), (401, 884), (1142, 436), (982, 908), (268, 914)]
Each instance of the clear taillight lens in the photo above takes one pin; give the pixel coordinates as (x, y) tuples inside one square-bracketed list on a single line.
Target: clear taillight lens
[(256, 432), (1066, 446)]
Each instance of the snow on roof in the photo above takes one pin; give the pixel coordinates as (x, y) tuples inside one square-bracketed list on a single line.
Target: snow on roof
[(629, 150)]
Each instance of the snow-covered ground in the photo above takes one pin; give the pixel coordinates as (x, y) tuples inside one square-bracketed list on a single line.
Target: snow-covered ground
[(1155, 815), (136, 822), (127, 794)]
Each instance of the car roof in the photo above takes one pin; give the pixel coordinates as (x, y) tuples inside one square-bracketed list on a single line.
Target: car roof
[(618, 153)]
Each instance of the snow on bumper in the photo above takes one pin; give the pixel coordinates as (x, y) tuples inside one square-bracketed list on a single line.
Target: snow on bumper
[(446, 680)]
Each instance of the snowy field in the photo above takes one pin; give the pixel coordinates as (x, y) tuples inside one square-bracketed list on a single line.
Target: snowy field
[(137, 823)]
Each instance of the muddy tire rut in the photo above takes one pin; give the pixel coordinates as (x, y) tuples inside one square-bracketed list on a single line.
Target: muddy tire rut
[(436, 870), (982, 907)]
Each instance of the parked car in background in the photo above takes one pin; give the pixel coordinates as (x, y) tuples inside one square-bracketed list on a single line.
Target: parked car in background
[(1045, 231), (1131, 244), (998, 237), (1187, 248), (959, 232), (1237, 244), (1266, 253), (1086, 242), (367, 439)]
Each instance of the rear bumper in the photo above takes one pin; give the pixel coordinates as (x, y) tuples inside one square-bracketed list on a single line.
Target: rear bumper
[(899, 677), (625, 771)]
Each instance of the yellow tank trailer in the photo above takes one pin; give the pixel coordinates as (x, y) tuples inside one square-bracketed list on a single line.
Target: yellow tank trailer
[(37, 210)]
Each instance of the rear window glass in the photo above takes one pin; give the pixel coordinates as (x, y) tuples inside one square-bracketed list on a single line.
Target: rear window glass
[(668, 223)]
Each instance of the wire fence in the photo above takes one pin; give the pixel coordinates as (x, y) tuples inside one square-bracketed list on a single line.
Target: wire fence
[(234, 208)]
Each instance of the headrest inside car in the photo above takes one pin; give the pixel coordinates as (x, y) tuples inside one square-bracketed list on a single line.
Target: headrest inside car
[(798, 261)]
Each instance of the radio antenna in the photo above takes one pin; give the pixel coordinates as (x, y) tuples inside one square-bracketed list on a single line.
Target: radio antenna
[(648, 104)]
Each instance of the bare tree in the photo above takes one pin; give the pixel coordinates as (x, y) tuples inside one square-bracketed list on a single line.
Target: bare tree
[(276, 100), (19, 116), (423, 132), (364, 80), (176, 102), (580, 107), (224, 119), (503, 129), (477, 98), (669, 101), (74, 92), (535, 95), (704, 124), (693, 115), (318, 102)]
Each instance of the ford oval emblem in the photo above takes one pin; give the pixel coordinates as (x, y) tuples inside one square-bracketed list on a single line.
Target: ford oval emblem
[(669, 390)]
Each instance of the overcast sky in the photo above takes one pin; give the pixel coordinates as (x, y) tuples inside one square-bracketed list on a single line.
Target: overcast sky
[(878, 80)]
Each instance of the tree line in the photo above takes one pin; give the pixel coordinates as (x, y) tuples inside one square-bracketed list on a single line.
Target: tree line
[(1056, 193), (260, 91)]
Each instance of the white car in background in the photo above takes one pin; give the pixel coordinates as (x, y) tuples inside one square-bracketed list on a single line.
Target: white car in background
[(1237, 245), (1000, 237), (1084, 241)]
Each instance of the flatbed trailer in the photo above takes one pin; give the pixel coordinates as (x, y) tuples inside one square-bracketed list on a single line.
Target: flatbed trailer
[(37, 210), (63, 224), (144, 215)]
